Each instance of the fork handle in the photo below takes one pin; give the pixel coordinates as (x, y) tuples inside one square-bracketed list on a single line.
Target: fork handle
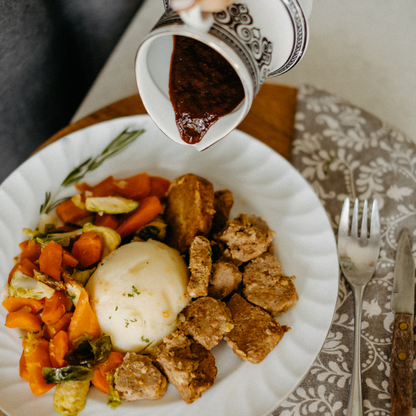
[(355, 400), (401, 366)]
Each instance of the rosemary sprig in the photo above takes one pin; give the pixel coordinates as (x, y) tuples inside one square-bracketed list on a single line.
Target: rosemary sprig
[(116, 146)]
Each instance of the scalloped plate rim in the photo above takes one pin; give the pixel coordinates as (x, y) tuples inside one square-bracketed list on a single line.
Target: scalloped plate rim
[(245, 148)]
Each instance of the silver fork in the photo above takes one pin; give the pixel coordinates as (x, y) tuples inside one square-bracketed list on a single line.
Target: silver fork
[(358, 256)]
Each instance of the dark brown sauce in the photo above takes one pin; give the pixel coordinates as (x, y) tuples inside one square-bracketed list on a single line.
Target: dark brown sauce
[(203, 87)]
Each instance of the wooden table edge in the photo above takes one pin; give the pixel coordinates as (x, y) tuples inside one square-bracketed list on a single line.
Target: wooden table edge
[(271, 118)]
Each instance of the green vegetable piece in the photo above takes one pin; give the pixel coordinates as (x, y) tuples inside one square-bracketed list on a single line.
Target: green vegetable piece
[(101, 348), (113, 397), (110, 204), (149, 232), (22, 286), (155, 229), (82, 276), (69, 398), (69, 373), (89, 352)]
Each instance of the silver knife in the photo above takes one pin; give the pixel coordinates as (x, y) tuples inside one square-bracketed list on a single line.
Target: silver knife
[(402, 304)]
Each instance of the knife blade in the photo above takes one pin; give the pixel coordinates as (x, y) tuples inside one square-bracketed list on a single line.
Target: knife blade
[(402, 304)]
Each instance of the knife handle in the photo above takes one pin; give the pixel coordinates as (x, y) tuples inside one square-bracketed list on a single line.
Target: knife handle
[(401, 366)]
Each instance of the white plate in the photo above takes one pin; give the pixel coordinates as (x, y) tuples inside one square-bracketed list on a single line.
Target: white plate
[(263, 183)]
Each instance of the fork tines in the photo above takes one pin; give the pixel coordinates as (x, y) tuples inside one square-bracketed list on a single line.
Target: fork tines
[(345, 218)]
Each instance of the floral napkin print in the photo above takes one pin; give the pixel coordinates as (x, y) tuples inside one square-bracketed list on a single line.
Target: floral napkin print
[(343, 151)]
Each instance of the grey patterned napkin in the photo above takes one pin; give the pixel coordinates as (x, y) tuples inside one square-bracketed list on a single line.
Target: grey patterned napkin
[(344, 151)]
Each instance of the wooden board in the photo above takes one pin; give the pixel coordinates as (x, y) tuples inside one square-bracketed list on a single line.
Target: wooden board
[(271, 118)]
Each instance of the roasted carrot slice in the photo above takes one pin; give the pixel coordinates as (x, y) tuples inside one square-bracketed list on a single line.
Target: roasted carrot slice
[(68, 259), (36, 352), (100, 374), (104, 188), (23, 367), (88, 249), (84, 320), (30, 250), (67, 211), (135, 187), (148, 209), (50, 261), (58, 348), (106, 220), (24, 319), (100, 382), (159, 187), (25, 266), (54, 307), (50, 330), (12, 304)]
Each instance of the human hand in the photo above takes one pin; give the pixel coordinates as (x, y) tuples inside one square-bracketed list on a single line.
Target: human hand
[(211, 6)]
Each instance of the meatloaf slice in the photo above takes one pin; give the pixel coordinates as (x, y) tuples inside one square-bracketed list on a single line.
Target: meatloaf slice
[(189, 210), (200, 264), (266, 286), (255, 332), (188, 365), (223, 202), (206, 320), (137, 378), (246, 237), (225, 279)]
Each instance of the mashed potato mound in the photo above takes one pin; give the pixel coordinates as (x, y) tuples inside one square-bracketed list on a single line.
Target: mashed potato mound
[(137, 292)]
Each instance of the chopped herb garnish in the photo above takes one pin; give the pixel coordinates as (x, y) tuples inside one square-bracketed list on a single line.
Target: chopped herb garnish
[(144, 339), (135, 291), (109, 317), (116, 307)]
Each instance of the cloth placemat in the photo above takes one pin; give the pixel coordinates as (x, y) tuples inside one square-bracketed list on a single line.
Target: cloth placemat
[(343, 151)]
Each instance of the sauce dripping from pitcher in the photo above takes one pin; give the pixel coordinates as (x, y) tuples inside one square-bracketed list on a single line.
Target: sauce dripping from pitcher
[(203, 87)]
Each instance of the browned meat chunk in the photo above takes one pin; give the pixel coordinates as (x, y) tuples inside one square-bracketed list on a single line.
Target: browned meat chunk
[(265, 285), (189, 210), (206, 320), (255, 332), (246, 237), (200, 264), (225, 278), (188, 365), (137, 378), (223, 202)]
